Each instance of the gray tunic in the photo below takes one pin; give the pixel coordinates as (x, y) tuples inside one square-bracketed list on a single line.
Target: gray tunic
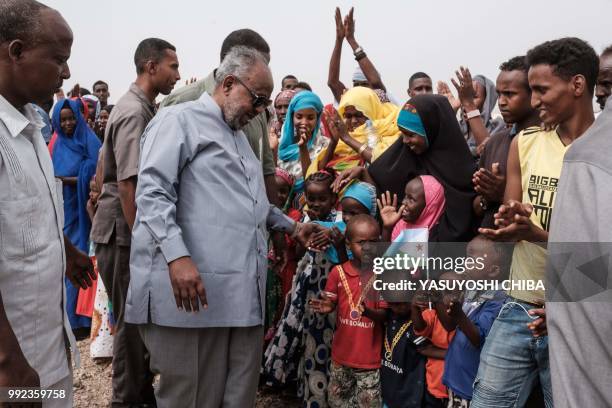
[(580, 330), (200, 194)]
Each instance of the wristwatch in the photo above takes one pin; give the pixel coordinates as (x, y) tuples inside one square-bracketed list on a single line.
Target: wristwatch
[(357, 51), (472, 114)]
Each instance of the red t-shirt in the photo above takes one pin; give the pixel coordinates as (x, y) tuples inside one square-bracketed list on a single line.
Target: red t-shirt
[(356, 343), (440, 338)]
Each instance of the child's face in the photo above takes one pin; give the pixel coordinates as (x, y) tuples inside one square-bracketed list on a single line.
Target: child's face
[(414, 200), (320, 199), (361, 234), (282, 189), (401, 309), (93, 191), (67, 121), (450, 295), (350, 208), (484, 249)]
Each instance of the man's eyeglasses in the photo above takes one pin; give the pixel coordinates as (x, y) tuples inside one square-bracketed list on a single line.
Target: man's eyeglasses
[(258, 100)]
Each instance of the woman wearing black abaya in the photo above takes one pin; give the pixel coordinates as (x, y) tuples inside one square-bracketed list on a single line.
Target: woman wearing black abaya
[(441, 152)]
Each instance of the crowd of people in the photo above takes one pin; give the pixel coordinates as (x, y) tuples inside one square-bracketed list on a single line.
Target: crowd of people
[(230, 231)]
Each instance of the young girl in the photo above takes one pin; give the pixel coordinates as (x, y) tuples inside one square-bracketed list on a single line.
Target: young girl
[(278, 283), (422, 207), (301, 328), (354, 375)]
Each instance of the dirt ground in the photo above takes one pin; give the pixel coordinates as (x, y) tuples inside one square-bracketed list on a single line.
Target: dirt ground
[(92, 385)]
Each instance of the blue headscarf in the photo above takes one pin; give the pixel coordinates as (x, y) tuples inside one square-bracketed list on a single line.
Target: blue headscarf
[(75, 156), (409, 119), (288, 149), (365, 193)]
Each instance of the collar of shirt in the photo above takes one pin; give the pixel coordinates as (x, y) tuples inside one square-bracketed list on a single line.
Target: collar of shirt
[(16, 121), (135, 89), (207, 100)]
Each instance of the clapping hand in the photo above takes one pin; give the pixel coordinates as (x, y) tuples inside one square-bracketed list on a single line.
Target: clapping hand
[(339, 26), (349, 26), (490, 184), (336, 126), (389, 213), (513, 223)]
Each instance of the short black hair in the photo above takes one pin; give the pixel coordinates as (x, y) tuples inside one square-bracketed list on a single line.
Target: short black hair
[(518, 63), (568, 56), (288, 77), (108, 108), (150, 49), (99, 82), (84, 91), (19, 19), (607, 50), (247, 38), (417, 75), (304, 85), (360, 219)]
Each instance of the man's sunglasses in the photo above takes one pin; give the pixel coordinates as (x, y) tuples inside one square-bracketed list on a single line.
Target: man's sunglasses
[(258, 100)]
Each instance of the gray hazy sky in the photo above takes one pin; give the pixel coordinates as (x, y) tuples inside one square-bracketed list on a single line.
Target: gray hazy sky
[(400, 37)]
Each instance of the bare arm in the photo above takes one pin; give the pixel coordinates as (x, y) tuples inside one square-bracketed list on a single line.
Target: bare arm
[(127, 196), (514, 188), (365, 63), (333, 79), (432, 351)]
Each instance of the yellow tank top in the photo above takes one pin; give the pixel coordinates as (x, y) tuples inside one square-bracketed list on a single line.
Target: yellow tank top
[(541, 158)]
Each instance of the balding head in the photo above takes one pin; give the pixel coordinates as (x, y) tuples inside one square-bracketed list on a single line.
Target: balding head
[(35, 43), (244, 84)]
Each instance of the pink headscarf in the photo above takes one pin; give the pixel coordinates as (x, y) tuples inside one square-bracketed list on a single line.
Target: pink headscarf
[(434, 207), (284, 174)]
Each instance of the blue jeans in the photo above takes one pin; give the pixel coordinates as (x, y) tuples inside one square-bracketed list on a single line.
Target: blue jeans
[(511, 360)]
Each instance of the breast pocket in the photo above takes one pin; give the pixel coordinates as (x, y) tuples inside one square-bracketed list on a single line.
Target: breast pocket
[(17, 224)]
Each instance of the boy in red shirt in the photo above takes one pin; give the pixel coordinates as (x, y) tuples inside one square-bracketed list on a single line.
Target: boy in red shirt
[(355, 378)]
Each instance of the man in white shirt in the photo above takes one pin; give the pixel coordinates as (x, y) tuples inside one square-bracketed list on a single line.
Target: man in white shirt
[(35, 43)]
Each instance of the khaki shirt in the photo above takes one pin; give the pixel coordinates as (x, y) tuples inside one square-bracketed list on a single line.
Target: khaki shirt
[(256, 130), (120, 152), (32, 258)]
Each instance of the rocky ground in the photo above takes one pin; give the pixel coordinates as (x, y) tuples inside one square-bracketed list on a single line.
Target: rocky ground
[(92, 385)]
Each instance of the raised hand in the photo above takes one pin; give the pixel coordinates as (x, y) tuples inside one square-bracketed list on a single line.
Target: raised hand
[(339, 26), (465, 88), (349, 26), (389, 212), (443, 89)]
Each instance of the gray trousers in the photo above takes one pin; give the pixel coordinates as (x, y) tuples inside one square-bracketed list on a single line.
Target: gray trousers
[(132, 380), (205, 368)]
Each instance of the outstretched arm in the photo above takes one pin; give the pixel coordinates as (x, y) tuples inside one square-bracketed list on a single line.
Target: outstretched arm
[(365, 63), (333, 79)]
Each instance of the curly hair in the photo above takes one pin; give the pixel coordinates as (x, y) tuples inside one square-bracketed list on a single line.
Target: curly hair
[(568, 56), (518, 63)]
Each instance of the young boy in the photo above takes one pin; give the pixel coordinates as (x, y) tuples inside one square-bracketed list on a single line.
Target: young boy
[(402, 370), (354, 379), (427, 324), (472, 319)]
